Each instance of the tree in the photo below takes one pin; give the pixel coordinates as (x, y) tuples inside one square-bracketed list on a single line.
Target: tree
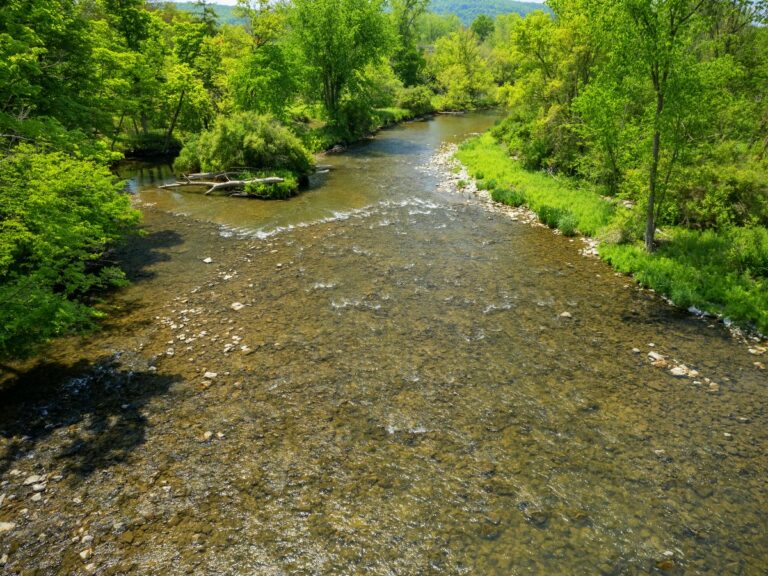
[(462, 73), (338, 39), (58, 216), (483, 26), (408, 60), (657, 39)]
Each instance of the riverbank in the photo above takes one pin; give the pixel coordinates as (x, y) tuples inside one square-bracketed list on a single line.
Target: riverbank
[(716, 273)]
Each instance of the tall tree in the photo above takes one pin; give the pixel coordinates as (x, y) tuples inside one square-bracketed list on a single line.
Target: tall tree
[(408, 60), (338, 39)]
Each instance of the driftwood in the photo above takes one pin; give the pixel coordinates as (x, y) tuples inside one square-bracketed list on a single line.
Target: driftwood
[(219, 181)]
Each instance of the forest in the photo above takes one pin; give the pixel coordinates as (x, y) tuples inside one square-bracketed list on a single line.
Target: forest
[(642, 123)]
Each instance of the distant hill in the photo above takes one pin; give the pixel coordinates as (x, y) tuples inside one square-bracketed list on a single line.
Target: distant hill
[(225, 13), (468, 10)]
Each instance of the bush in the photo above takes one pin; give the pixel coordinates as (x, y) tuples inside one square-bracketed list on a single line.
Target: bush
[(417, 99), (509, 196), (58, 216), (723, 273), (246, 140), (280, 191)]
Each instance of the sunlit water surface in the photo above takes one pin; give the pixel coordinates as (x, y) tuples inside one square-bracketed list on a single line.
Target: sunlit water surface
[(396, 391)]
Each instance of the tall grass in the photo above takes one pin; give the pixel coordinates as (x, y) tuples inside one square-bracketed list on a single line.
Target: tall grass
[(723, 272), (557, 200)]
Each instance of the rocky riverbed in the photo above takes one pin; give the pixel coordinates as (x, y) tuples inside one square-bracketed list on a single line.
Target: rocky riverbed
[(387, 379)]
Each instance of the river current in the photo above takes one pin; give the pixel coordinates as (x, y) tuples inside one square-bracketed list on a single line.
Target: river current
[(381, 376)]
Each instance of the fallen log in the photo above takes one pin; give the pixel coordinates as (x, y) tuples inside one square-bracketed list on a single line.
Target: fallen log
[(214, 186)]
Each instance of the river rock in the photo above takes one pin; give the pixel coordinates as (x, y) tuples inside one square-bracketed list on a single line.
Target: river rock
[(38, 487), (656, 357), (6, 527), (86, 554), (3, 559), (679, 371), (2, 499), (237, 306), (208, 260), (37, 497), (566, 315), (33, 480), (210, 375)]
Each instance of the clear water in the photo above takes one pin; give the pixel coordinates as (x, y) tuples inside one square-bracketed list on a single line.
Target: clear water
[(399, 394)]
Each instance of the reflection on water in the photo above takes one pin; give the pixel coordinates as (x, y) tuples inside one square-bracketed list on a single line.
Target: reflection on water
[(386, 385)]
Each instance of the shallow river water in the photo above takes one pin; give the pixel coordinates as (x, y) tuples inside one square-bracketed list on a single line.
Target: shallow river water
[(378, 377)]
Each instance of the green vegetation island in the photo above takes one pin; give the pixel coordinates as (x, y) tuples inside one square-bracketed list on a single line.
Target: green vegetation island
[(642, 124)]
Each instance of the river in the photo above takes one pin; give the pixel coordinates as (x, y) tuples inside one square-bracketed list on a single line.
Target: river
[(381, 377)]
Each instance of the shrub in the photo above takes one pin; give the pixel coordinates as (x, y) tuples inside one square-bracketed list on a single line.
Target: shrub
[(417, 99), (550, 215), (58, 216), (280, 191), (567, 224), (509, 196), (248, 140)]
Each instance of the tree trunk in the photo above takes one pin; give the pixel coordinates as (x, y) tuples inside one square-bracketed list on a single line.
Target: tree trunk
[(172, 127), (650, 221), (117, 132)]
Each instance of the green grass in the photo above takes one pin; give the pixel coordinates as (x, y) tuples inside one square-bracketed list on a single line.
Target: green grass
[(724, 273), (556, 200)]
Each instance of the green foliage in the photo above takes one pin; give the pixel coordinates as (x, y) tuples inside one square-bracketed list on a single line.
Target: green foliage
[(338, 39), (408, 60), (280, 191), (417, 99), (430, 27), (509, 196), (578, 203), (58, 216), (264, 81), (719, 272), (245, 139), (463, 77), (483, 26)]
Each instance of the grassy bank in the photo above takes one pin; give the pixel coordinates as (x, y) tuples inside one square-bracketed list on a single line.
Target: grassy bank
[(723, 273)]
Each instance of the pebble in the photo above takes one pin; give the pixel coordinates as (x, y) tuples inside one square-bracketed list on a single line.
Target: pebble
[(6, 527), (237, 306), (33, 480), (86, 554), (207, 436), (38, 487), (208, 260), (37, 497), (566, 315), (714, 387), (655, 356), (635, 350), (210, 375), (679, 372), (90, 568), (3, 559)]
